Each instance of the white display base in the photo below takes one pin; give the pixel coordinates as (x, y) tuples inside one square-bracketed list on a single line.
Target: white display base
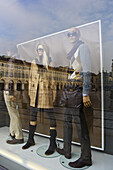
[(31, 160)]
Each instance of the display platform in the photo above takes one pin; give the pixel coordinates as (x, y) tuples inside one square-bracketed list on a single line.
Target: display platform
[(64, 162), (41, 152), (2, 168), (31, 160)]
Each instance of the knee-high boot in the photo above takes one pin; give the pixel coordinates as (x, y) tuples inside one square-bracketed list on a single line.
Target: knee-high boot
[(52, 145), (30, 141)]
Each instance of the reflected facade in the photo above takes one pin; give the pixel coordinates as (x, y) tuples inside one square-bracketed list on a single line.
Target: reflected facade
[(20, 79)]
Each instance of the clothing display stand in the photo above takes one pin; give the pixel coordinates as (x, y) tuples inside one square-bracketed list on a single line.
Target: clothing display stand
[(41, 152), (64, 161)]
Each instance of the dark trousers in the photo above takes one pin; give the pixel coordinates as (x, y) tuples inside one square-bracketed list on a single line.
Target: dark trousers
[(82, 131), (50, 112)]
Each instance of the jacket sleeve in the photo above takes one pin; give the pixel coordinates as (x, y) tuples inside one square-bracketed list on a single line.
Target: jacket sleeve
[(86, 83)]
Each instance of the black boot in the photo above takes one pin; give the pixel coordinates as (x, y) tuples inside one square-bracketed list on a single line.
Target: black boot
[(52, 145), (30, 141)]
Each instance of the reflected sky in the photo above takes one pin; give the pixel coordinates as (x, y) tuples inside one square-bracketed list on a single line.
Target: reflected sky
[(25, 20)]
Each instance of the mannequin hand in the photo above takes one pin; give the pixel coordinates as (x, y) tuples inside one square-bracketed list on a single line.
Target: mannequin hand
[(86, 101), (12, 98)]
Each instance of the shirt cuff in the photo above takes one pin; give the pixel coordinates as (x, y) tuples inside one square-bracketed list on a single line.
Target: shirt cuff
[(85, 94)]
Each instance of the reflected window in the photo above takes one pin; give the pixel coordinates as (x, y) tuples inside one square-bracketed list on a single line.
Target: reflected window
[(26, 85), (15, 74), (61, 86), (57, 86), (27, 76), (6, 74), (19, 85), (11, 85), (11, 74), (18, 75), (1, 73), (2, 85), (22, 75)]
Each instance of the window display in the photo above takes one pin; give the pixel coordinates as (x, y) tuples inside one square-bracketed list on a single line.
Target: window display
[(59, 83), (61, 66)]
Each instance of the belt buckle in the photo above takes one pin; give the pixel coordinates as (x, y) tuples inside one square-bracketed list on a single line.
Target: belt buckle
[(70, 89)]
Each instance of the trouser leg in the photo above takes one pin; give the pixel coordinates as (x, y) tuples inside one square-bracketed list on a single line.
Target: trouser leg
[(8, 105), (85, 140), (15, 122), (67, 130), (82, 131), (17, 126), (51, 116), (11, 128), (67, 134)]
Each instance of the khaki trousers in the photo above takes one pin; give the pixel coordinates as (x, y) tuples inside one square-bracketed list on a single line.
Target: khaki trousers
[(15, 122)]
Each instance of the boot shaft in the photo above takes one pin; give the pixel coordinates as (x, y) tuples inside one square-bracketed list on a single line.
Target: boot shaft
[(32, 129), (53, 133)]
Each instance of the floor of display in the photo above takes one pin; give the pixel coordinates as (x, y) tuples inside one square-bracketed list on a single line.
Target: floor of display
[(31, 160)]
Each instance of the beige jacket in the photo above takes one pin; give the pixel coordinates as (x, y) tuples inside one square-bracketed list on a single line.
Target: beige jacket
[(45, 93)]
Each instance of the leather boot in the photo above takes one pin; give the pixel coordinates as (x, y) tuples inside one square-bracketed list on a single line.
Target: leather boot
[(15, 141), (62, 152), (80, 163), (52, 145), (30, 141)]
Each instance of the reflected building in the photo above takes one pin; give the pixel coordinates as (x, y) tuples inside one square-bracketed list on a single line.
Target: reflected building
[(19, 79), (108, 88), (18, 75), (20, 71)]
